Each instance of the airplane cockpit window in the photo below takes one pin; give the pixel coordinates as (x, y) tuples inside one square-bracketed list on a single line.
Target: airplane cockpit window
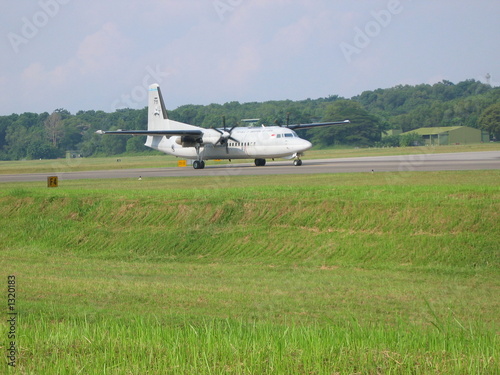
[(291, 134)]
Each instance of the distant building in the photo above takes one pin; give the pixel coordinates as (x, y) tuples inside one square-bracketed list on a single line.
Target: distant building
[(451, 135)]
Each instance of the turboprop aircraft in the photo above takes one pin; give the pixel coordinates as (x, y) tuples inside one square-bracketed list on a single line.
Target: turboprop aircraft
[(200, 144)]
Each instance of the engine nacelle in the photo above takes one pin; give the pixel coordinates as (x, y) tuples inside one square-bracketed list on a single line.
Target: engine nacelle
[(209, 137), (186, 141)]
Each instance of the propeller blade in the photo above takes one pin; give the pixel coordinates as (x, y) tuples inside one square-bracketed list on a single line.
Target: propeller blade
[(225, 134), (221, 133)]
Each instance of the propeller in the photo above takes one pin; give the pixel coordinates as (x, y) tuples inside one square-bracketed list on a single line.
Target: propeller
[(225, 135), (287, 120)]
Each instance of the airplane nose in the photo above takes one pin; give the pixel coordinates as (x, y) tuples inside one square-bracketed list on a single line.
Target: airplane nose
[(305, 145)]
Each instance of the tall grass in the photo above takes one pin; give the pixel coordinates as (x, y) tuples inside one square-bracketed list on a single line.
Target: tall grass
[(228, 346)]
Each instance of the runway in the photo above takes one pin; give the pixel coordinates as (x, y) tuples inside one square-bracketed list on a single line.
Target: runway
[(404, 163)]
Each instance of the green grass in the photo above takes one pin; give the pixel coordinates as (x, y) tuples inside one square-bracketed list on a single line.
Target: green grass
[(360, 273), (145, 345)]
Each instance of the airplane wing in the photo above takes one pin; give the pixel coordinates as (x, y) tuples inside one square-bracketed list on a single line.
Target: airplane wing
[(168, 133), (316, 124)]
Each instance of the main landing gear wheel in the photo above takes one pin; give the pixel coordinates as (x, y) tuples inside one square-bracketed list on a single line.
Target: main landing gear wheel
[(198, 164), (260, 162), (297, 162)]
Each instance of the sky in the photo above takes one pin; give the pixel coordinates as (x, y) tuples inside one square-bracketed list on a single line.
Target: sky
[(102, 55)]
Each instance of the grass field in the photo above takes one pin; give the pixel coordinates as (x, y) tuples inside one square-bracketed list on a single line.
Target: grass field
[(389, 273)]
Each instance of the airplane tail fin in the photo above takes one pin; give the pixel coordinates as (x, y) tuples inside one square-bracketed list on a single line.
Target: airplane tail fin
[(157, 113)]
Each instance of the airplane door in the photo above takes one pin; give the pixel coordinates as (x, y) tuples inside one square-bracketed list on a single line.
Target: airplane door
[(287, 143)]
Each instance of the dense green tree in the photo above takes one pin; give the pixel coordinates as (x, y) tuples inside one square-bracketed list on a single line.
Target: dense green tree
[(442, 104), (490, 120), (410, 139), (74, 128), (40, 149), (5, 122), (136, 144), (364, 129), (114, 145), (91, 144), (17, 139)]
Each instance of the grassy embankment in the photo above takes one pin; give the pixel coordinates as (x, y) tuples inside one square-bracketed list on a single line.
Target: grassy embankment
[(163, 161), (359, 273)]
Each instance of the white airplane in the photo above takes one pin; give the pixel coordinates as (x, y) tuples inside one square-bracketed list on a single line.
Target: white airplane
[(200, 144)]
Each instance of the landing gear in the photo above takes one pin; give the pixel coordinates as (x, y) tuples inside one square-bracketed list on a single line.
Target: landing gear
[(297, 162), (198, 164), (260, 162)]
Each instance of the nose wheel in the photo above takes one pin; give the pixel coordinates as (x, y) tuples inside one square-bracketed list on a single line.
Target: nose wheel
[(297, 162)]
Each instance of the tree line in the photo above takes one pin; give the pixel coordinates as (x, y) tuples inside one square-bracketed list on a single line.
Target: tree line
[(470, 103)]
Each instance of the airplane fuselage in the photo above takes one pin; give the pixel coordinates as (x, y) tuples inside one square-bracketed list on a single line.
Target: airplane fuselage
[(253, 143)]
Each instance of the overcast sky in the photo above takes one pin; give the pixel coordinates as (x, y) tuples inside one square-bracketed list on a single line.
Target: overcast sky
[(101, 55)]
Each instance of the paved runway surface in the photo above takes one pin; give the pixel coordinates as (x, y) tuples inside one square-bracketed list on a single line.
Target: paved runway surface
[(404, 163)]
